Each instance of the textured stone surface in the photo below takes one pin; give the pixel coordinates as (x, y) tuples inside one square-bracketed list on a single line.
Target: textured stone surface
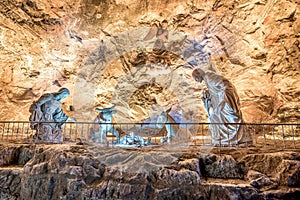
[(10, 180), (223, 166), (85, 172), (47, 44), (259, 180), (283, 168)]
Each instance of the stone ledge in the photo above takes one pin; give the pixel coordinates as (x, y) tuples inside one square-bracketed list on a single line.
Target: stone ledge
[(76, 171)]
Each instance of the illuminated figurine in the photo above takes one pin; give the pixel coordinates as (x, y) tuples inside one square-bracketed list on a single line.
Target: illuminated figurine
[(132, 139), (222, 105), (175, 133), (47, 116), (165, 120), (104, 118)]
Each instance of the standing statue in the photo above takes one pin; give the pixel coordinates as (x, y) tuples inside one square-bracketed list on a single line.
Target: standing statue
[(222, 105), (47, 117), (104, 118)]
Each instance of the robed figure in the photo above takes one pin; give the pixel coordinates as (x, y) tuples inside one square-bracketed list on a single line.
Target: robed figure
[(222, 104), (47, 117)]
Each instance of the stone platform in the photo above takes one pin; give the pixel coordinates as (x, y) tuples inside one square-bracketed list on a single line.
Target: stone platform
[(85, 171)]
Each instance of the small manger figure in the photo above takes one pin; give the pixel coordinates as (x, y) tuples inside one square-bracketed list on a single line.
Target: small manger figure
[(133, 140)]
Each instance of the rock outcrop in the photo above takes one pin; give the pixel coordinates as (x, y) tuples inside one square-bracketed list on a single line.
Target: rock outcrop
[(93, 172)]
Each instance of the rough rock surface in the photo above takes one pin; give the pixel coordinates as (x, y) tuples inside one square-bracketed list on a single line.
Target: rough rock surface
[(48, 44), (94, 172)]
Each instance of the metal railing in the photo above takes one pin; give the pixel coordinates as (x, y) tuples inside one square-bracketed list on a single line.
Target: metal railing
[(275, 136)]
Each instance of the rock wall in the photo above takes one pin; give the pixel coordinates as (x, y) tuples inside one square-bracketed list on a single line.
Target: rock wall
[(93, 172), (48, 44)]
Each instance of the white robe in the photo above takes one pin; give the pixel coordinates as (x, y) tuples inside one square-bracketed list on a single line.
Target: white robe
[(225, 109)]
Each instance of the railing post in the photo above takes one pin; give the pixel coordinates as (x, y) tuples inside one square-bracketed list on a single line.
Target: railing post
[(65, 131), (27, 132), (52, 139), (255, 135), (246, 132), (88, 132), (140, 130), (7, 131), (293, 133), (12, 130), (186, 133), (18, 127), (3, 129), (76, 131), (148, 138), (227, 133), (81, 137), (22, 130), (284, 146), (70, 132), (263, 128), (203, 135), (274, 137), (210, 132), (220, 144)]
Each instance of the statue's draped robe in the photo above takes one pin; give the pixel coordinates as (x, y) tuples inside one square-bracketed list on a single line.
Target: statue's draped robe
[(47, 110), (172, 128), (225, 109)]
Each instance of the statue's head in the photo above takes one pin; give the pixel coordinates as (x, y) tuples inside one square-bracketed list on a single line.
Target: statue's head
[(61, 94), (198, 75)]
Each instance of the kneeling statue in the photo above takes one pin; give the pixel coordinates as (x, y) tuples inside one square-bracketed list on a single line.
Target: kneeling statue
[(47, 117), (222, 104)]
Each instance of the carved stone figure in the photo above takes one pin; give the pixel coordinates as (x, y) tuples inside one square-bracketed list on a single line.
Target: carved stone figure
[(104, 118), (174, 132), (222, 105), (47, 116), (164, 119), (132, 140)]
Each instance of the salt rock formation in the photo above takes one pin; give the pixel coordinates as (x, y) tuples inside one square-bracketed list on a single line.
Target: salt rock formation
[(49, 44), (93, 172)]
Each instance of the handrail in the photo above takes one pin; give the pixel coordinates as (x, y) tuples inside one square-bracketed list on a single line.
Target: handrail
[(142, 123), (271, 135)]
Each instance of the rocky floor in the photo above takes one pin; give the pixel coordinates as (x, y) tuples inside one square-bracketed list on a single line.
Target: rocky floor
[(73, 171)]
